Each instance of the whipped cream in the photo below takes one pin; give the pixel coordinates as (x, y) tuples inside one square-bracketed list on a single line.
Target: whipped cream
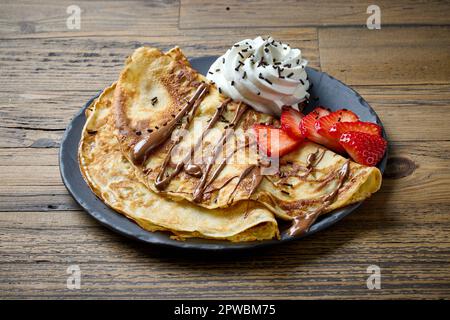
[(264, 73)]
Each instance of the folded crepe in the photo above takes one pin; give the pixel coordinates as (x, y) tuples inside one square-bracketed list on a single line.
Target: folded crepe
[(111, 177), (158, 94)]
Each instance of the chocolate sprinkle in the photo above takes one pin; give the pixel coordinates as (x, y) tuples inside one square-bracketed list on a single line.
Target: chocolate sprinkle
[(279, 73), (261, 62), (290, 75), (223, 119)]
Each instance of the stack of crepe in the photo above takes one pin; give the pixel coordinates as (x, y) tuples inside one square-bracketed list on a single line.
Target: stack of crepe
[(160, 105)]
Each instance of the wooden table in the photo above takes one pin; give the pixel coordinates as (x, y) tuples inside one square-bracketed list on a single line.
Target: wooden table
[(48, 72)]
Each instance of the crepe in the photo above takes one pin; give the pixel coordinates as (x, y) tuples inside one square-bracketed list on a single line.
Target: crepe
[(111, 177), (158, 93), (150, 104)]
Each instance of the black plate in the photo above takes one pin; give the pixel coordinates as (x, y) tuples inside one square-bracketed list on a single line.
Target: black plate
[(326, 91)]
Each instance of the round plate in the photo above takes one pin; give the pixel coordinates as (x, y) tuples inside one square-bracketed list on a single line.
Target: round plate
[(326, 91)]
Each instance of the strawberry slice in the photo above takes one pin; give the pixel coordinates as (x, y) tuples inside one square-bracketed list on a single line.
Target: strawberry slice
[(364, 148), (342, 127), (290, 122), (324, 124), (322, 111), (307, 124), (274, 141)]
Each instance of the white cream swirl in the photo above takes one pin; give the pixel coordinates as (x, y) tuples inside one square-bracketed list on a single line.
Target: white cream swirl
[(264, 73)]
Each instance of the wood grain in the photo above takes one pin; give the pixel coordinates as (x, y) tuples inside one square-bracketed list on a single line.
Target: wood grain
[(34, 19), (387, 56), (263, 13), (48, 72), (33, 66), (46, 244)]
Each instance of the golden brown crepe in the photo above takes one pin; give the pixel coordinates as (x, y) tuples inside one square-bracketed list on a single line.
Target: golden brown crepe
[(159, 93), (111, 177), (152, 90)]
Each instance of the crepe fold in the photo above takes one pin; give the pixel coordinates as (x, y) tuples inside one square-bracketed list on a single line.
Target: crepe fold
[(112, 178)]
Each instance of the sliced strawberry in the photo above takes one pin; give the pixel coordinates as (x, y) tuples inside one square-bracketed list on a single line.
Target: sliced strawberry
[(290, 122), (324, 124), (322, 111), (342, 127), (364, 148), (307, 124), (274, 141)]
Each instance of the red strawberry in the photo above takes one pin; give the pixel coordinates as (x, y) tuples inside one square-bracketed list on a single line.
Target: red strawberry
[(290, 122), (364, 148), (274, 141), (324, 124), (322, 111), (342, 127), (307, 124)]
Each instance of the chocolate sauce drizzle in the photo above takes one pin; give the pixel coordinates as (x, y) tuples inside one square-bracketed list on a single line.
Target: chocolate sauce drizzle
[(208, 188), (145, 146), (194, 170), (204, 182), (256, 179), (302, 223), (313, 160)]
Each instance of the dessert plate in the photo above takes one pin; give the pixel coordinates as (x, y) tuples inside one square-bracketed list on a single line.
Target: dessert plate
[(325, 91)]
